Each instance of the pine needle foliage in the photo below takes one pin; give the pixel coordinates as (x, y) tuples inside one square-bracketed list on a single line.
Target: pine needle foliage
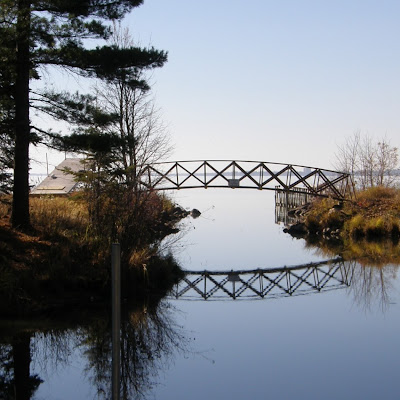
[(37, 34)]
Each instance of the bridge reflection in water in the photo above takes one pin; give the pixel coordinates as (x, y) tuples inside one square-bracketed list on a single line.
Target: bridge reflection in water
[(265, 283)]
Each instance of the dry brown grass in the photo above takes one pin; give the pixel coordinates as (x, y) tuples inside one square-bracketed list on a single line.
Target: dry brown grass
[(375, 213), (59, 216), (5, 206), (322, 215), (377, 201), (64, 255)]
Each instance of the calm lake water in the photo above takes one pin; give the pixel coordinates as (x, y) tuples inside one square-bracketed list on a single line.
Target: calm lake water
[(341, 343)]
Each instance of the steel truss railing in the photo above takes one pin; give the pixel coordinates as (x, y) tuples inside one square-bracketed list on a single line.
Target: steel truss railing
[(245, 174), (265, 283)]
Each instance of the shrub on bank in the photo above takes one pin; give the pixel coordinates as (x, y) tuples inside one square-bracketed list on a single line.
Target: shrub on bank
[(67, 255), (322, 215), (374, 193)]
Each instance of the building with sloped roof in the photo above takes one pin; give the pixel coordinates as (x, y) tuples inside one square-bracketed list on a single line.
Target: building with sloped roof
[(60, 182)]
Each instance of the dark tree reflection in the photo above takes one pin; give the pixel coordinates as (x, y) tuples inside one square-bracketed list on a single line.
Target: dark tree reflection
[(372, 285), (149, 339), (16, 381)]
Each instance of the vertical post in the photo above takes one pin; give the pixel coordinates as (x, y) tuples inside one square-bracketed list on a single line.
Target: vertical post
[(116, 318), (177, 175), (286, 207)]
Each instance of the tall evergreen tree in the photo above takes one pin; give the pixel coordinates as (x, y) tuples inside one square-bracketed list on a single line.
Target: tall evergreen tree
[(53, 33), (7, 96)]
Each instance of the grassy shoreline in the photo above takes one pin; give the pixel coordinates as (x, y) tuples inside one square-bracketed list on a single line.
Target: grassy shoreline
[(367, 229), (61, 263), (374, 214)]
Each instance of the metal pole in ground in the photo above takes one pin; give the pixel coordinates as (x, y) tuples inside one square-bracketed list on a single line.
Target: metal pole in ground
[(116, 318)]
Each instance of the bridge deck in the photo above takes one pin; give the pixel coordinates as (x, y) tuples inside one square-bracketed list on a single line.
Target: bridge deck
[(247, 175)]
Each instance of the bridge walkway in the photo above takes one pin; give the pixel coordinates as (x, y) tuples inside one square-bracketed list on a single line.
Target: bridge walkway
[(259, 175)]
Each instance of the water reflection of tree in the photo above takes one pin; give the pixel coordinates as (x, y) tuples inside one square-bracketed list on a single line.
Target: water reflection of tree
[(16, 382), (372, 285), (149, 337), (374, 265)]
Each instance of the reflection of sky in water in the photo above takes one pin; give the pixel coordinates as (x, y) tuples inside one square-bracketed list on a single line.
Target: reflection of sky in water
[(319, 346), (63, 381), (236, 230), (311, 347)]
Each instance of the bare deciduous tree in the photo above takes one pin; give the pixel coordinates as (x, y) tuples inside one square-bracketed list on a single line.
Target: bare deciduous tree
[(387, 161), (370, 163), (347, 155), (119, 204), (140, 126)]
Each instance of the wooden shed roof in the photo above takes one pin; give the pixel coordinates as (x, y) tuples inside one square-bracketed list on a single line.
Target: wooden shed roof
[(59, 182)]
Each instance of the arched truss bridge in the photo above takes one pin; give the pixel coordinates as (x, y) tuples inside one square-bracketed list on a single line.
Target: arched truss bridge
[(265, 283), (248, 175)]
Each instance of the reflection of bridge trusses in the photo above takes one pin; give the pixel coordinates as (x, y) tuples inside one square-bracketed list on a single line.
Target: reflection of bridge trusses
[(265, 283), (247, 175)]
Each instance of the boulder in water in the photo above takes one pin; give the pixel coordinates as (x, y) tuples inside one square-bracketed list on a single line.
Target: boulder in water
[(195, 213)]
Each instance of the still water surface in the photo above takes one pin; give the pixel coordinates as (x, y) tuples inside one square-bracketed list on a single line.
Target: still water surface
[(338, 344)]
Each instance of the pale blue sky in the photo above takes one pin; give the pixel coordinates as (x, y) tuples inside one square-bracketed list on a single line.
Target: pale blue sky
[(282, 81), (274, 80)]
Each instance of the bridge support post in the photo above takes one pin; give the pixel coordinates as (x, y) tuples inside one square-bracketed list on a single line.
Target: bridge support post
[(286, 206)]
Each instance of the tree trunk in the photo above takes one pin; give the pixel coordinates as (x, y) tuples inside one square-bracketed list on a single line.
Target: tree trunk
[(20, 208)]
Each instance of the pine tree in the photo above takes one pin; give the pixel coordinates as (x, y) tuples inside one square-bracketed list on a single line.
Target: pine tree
[(7, 104), (53, 33)]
